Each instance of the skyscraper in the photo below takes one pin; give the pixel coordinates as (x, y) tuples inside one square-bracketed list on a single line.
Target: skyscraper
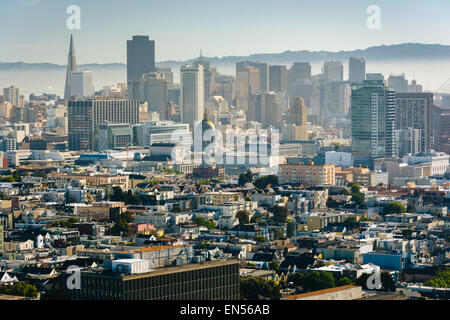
[(278, 78), (297, 121), (140, 57), (81, 84), (398, 83), (333, 71), (151, 88), (11, 95), (415, 110), (247, 84), (356, 69), (71, 66), (266, 109), (192, 94), (373, 122), (84, 117), (299, 72)]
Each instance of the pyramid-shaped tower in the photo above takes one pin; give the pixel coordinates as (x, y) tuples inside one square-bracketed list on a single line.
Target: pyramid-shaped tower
[(71, 66)]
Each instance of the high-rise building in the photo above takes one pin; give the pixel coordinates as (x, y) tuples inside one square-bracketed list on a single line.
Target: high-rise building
[(415, 110), (373, 121), (152, 88), (140, 57), (333, 71), (81, 84), (356, 69), (247, 84), (266, 109), (298, 113), (209, 76), (297, 126), (167, 74), (71, 66), (278, 78), (375, 76), (263, 84), (11, 95), (398, 83), (192, 94), (84, 117), (299, 72), (225, 87)]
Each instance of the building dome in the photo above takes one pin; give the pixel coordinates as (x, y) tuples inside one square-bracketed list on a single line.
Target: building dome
[(206, 123)]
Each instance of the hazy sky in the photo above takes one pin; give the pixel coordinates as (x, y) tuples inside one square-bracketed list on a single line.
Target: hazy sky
[(35, 30)]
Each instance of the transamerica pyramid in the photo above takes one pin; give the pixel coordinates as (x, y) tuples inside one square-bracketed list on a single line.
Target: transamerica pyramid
[(71, 66)]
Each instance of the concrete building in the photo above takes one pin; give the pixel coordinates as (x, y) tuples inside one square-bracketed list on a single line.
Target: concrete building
[(278, 78), (192, 94), (84, 117), (11, 95), (140, 57), (211, 280), (333, 71), (373, 122), (356, 69), (81, 84), (152, 88), (338, 293), (310, 174), (415, 110)]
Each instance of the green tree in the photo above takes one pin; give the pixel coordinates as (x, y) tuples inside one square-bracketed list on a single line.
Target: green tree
[(8, 179), (260, 239), (121, 227), (297, 278), (440, 280), (200, 221), (318, 280), (243, 217), (273, 265), (278, 234), (394, 208), (344, 281), (131, 198), (358, 198), (257, 288), (20, 289), (387, 282), (280, 214), (176, 209), (16, 176), (245, 178), (263, 182), (117, 195)]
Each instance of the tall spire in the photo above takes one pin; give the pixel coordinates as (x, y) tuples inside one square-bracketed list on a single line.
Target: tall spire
[(71, 66)]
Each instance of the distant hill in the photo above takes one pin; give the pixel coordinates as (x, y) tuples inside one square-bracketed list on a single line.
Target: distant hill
[(405, 51)]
